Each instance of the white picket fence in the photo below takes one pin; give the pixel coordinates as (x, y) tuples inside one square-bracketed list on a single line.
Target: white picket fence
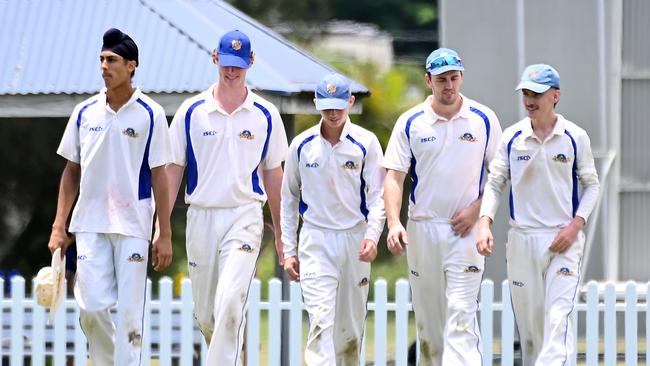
[(172, 337)]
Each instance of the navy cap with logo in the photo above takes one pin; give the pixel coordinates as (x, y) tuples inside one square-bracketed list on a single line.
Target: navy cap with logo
[(539, 78), (332, 92), (443, 60), (235, 50), (116, 41)]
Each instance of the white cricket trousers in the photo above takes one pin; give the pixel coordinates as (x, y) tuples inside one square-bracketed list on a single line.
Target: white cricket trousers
[(543, 287), (223, 245), (334, 285), (445, 276), (112, 268)]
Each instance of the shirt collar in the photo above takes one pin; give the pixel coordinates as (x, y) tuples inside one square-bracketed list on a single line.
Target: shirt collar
[(558, 129), (212, 105), (136, 94), (464, 111), (344, 133)]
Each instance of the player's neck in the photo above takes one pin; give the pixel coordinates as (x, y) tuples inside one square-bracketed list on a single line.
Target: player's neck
[(543, 125), (230, 97), (447, 111), (331, 134), (118, 96)]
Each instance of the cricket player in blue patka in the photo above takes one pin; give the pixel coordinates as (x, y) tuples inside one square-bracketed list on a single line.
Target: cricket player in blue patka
[(117, 145), (554, 188), (333, 179), (445, 145)]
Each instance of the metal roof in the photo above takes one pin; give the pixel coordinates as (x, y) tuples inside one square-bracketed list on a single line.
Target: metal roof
[(52, 47)]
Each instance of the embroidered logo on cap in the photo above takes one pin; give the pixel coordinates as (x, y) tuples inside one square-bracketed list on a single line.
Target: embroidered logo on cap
[(235, 44), (331, 89)]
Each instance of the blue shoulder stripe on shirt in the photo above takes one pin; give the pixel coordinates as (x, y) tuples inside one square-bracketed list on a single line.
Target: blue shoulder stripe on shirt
[(362, 186), (486, 120), (302, 144), (82, 110), (412, 171), (512, 203), (255, 180), (144, 181), (192, 168), (574, 174)]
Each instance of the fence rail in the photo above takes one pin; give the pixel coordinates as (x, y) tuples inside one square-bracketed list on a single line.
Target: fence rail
[(171, 335)]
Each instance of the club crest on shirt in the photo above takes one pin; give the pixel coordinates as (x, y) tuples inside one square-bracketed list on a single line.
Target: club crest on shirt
[(246, 248), (472, 269), (564, 272), (363, 282), (130, 132), (415, 273), (468, 137), (561, 158), (236, 44), (246, 135), (350, 165), (136, 257)]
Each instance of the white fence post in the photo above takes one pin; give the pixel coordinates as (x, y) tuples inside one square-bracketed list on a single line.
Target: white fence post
[(17, 319), (80, 342), (165, 323), (146, 331), (275, 322), (187, 324), (38, 331), (487, 320), (402, 310), (592, 318), (381, 296), (507, 326), (631, 353), (610, 325), (295, 324)]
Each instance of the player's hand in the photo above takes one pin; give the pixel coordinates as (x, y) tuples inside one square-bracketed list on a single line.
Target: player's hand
[(59, 238), (397, 239), (463, 221), (567, 236), (368, 250), (292, 267), (279, 248), (161, 253), (484, 238)]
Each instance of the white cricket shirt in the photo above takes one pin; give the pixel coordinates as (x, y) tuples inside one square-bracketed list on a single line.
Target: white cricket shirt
[(116, 151), (224, 154), (333, 187), (446, 159), (551, 181)]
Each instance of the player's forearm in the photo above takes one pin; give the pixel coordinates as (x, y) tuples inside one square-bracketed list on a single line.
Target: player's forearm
[(68, 190), (273, 186), (161, 194), (393, 188)]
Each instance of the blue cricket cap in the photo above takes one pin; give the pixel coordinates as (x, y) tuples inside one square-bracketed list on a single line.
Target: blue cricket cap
[(332, 92), (234, 50), (443, 60), (539, 78)]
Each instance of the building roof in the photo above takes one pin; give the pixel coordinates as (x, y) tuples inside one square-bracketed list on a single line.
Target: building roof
[(52, 47)]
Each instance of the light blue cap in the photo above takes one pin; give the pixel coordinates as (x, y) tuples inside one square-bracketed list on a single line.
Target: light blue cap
[(234, 50), (539, 78), (332, 92), (443, 60)]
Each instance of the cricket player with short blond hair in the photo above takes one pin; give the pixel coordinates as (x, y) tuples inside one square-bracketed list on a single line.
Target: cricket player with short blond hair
[(554, 188)]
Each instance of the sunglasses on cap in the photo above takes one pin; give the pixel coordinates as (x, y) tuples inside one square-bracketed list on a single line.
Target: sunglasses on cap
[(446, 60)]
